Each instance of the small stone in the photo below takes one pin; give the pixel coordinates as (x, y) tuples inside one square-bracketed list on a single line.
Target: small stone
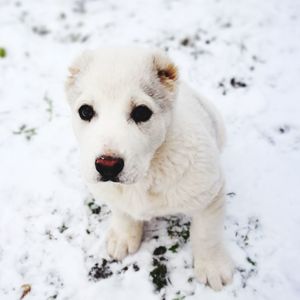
[(135, 267), (160, 250), (237, 84), (185, 42)]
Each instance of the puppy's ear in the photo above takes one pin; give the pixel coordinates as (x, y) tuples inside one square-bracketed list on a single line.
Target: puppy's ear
[(166, 71), (77, 68)]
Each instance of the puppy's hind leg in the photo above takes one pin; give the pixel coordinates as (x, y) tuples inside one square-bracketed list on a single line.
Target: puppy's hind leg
[(212, 263), (124, 236)]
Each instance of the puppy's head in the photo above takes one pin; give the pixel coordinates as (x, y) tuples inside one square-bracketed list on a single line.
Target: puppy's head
[(121, 101)]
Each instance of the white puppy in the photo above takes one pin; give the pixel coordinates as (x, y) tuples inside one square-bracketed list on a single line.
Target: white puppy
[(150, 147)]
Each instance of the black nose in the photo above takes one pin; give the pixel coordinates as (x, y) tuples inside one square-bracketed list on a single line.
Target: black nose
[(109, 167)]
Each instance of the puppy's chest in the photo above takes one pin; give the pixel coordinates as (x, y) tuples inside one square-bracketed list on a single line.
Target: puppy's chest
[(142, 204), (138, 201)]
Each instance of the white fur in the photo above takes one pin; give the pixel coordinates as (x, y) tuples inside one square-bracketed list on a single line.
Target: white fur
[(171, 162)]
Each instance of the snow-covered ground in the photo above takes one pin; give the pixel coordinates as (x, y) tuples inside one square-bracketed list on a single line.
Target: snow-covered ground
[(244, 55)]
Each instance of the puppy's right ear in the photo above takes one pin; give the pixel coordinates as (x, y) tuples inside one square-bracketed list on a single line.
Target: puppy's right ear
[(77, 68), (166, 71)]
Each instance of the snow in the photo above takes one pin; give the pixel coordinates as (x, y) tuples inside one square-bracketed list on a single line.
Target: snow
[(244, 55)]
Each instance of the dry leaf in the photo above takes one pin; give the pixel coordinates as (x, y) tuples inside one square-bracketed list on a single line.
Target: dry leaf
[(26, 289)]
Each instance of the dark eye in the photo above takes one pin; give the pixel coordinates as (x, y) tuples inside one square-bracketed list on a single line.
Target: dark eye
[(86, 112), (141, 113)]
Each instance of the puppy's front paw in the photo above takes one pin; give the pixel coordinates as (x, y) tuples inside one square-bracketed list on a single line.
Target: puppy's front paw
[(215, 269), (120, 244)]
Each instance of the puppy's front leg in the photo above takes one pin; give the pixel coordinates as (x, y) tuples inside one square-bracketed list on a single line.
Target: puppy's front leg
[(212, 263), (124, 236)]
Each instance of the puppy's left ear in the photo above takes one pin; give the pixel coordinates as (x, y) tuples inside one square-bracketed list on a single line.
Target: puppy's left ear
[(166, 71), (77, 68)]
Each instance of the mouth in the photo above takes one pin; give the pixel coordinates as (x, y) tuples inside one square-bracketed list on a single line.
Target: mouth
[(112, 179)]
